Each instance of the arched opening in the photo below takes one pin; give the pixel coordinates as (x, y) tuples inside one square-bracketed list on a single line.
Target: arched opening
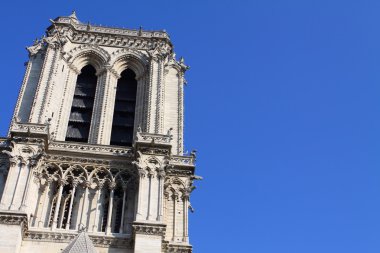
[(124, 112), (81, 110)]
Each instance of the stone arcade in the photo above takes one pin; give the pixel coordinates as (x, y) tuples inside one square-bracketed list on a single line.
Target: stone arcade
[(96, 141)]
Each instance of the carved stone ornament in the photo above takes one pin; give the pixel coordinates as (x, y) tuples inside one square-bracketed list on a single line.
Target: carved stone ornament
[(91, 149), (154, 151), (170, 248), (10, 218), (149, 229), (64, 237)]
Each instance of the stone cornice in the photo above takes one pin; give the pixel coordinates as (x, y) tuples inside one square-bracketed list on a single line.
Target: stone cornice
[(90, 149), (153, 138), (29, 128), (149, 229), (110, 30), (80, 33)]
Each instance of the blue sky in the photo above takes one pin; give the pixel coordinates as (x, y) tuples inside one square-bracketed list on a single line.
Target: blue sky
[(282, 104)]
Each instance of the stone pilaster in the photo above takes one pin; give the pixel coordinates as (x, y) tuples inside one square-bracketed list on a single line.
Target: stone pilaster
[(48, 66), (101, 123)]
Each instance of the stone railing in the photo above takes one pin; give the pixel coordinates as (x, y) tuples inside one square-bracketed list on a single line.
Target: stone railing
[(90, 148), (18, 127), (112, 30)]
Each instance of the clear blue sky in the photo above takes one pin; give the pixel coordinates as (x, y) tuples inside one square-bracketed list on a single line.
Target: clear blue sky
[(282, 103)]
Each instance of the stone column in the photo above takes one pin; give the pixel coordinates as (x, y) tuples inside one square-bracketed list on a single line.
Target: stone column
[(9, 184), (139, 215), (110, 208), (160, 206), (19, 166), (123, 209), (42, 218), (75, 184), (84, 212), (150, 182), (57, 205), (174, 198), (185, 199), (95, 226), (29, 167)]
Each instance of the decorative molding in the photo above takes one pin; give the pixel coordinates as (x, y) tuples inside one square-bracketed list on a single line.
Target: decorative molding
[(149, 229), (153, 138), (13, 218), (87, 49), (182, 160), (91, 149), (172, 248), (101, 241), (30, 128), (179, 172), (154, 151)]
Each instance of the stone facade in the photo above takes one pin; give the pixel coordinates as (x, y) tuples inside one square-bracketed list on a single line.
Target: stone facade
[(132, 198)]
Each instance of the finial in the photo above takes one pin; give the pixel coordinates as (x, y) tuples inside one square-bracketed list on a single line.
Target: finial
[(140, 30), (73, 14), (182, 60)]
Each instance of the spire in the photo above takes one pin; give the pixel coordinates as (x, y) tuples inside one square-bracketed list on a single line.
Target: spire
[(81, 244)]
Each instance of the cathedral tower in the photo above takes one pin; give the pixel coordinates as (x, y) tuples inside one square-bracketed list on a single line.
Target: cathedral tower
[(96, 143)]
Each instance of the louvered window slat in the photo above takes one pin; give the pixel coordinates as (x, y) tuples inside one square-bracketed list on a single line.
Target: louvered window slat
[(124, 112), (81, 110)]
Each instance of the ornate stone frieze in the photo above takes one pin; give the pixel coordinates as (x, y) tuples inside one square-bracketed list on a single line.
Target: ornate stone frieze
[(91, 149), (30, 128), (154, 151), (98, 240), (172, 171), (182, 160), (149, 229), (73, 159), (175, 248), (153, 138), (78, 32), (12, 218)]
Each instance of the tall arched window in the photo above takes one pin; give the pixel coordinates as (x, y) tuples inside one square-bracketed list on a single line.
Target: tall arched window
[(81, 109), (124, 113)]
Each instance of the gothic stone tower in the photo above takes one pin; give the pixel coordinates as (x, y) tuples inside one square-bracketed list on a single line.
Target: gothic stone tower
[(96, 140)]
